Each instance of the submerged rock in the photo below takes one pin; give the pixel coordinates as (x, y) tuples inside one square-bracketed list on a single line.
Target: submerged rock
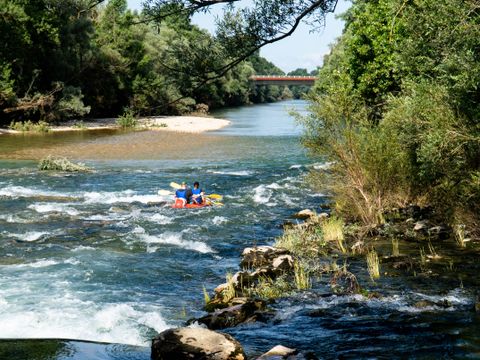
[(278, 352), (195, 344), (281, 352)]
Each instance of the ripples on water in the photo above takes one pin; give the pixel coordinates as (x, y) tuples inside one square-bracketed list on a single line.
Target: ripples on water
[(102, 257)]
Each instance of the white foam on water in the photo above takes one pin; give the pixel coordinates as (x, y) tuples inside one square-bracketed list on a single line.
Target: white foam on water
[(262, 194), (127, 196), (159, 219), (15, 219), (296, 166), (36, 264), (71, 318), (217, 220), (21, 191), (234, 173), (53, 207), (83, 248), (29, 236), (175, 239), (274, 186)]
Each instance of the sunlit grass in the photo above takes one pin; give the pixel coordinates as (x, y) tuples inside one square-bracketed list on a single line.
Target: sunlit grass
[(395, 248), (267, 288), (332, 230), (302, 277), (373, 265), (460, 236), (206, 297)]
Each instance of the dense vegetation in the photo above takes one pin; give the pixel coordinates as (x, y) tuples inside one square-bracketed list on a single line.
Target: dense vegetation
[(64, 59), (397, 110)]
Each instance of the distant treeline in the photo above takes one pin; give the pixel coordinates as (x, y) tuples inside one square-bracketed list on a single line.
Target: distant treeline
[(69, 59), (397, 110)]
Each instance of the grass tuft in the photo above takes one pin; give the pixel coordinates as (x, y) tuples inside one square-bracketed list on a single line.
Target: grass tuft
[(332, 230), (395, 248), (373, 265), (302, 277), (267, 288), (206, 297)]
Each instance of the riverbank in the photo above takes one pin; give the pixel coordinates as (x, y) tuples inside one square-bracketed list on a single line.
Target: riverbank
[(183, 124)]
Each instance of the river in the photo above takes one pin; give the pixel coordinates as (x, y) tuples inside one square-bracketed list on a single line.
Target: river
[(102, 257)]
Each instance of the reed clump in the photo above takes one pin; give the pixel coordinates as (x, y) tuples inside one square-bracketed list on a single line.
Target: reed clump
[(373, 265), (302, 277), (332, 230), (55, 163)]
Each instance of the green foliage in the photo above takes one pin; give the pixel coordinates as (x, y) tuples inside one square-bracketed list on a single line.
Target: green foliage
[(127, 120), (268, 288), (301, 242), (396, 107), (29, 126), (112, 58), (53, 163), (71, 104)]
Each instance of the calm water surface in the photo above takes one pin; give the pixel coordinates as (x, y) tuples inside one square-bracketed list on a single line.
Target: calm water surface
[(101, 257)]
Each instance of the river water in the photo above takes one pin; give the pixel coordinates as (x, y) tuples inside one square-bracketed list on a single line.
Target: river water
[(102, 257)]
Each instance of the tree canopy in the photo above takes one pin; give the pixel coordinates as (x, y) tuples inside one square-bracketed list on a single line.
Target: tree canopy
[(74, 58), (397, 108)]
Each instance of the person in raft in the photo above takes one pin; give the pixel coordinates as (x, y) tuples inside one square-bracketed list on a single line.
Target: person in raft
[(197, 194), (181, 195)]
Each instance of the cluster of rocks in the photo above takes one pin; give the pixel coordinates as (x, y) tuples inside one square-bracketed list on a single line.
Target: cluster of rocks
[(232, 303), (204, 344)]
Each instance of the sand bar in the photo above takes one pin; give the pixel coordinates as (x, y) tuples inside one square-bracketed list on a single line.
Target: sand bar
[(185, 124)]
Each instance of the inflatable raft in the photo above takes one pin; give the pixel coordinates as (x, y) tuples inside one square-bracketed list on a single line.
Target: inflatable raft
[(180, 204)]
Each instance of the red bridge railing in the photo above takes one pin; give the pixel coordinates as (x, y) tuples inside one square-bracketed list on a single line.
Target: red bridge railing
[(282, 80)]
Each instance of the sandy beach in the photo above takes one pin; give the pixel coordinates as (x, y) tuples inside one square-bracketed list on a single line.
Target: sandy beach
[(185, 124)]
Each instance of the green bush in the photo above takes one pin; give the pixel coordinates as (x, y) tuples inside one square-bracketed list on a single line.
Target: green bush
[(369, 167), (127, 120), (29, 126)]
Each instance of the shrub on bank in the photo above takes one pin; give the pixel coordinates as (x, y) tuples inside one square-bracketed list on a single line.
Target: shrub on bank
[(29, 126), (127, 120)]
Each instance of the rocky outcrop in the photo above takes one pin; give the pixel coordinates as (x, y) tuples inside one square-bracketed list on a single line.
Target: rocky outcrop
[(258, 256), (195, 344)]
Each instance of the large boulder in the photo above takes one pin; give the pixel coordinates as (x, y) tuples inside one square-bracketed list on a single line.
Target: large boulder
[(195, 344)]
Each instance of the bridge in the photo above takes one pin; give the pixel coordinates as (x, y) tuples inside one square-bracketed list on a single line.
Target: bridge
[(282, 80)]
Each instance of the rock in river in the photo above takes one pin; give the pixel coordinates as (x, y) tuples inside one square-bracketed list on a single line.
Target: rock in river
[(195, 344)]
